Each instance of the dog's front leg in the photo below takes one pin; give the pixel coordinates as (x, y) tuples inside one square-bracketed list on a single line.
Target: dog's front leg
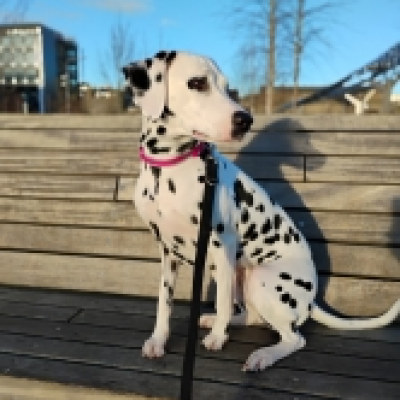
[(154, 347), (224, 257)]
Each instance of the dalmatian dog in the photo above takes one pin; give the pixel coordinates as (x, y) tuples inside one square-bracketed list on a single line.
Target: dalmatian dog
[(256, 253)]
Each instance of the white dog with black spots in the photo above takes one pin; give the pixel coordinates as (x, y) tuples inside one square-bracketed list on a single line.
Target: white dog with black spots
[(256, 254)]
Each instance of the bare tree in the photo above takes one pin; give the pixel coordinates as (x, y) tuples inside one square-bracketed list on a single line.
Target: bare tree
[(12, 11), (311, 24), (120, 51), (261, 24)]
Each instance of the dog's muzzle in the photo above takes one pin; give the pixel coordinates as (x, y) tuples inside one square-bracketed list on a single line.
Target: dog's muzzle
[(241, 123)]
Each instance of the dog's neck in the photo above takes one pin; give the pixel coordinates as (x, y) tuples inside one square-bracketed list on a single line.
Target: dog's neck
[(158, 143)]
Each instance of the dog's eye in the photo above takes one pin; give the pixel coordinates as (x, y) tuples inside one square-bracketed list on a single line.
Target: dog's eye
[(199, 84)]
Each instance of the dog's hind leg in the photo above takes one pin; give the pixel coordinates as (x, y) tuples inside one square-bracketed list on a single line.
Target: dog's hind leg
[(154, 346), (291, 341)]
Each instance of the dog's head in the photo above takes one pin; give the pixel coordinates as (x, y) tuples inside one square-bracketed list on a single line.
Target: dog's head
[(192, 90)]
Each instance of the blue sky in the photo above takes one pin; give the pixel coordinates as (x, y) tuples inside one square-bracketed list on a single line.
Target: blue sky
[(366, 28)]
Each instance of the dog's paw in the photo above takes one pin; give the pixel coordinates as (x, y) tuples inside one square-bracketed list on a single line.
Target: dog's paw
[(207, 320), (258, 361), (214, 342), (153, 347)]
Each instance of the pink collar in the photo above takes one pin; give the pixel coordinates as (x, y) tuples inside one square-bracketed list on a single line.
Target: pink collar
[(195, 152)]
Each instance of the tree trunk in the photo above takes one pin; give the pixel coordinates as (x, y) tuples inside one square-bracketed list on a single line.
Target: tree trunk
[(298, 40), (269, 101)]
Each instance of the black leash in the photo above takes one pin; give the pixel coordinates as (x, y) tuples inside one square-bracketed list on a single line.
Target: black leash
[(199, 262)]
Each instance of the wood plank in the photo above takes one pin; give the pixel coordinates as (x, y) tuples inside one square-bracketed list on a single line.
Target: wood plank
[(315, 196), (327, 122), (348, 227), (371, 170), (208, 369), (71, 121), (342, 259), (69, 212), (317, 225), (130, 331), (356, 260), (69, 162), (38, 311), (346, 142), (63, 187), (269, 141), (107, 275), (27, 389), (126, 162), (281, 121), (150, 385)]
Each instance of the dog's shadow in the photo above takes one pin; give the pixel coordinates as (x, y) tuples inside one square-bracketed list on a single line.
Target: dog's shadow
[(275, 157), (395, 230)]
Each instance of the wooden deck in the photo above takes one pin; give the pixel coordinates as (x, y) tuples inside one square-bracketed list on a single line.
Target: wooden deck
[(79, 271), (94, 341)]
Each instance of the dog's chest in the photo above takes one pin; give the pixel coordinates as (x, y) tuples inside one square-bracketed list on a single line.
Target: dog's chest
[(170, 199)]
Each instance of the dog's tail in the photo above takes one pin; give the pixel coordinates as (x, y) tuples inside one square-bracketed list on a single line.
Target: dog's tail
[(323, 317)]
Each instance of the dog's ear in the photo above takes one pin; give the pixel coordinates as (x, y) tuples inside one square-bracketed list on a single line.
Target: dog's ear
[(148, 80)]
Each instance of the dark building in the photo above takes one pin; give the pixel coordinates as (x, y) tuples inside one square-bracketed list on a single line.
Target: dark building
[(38, 69)]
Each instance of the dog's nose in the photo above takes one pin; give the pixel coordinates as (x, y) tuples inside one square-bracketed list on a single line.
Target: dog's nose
[(241, 122)]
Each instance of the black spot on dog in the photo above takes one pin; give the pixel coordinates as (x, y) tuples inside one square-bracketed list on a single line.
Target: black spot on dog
[(266, 227), (166, 250), (149, 62), (295, 328), (260, 208), (161, 55), (171, 186), (152, 145), (309, 307), (239, 254), (145, 192), (156, 171), (213, 267), (243, 243), (285, 276), (256, 252), (241, 194), (139, 78), (159, 77), (161, 130), (293, 303), (171, 57), (277, 221), (272, 239), (166, 113), (174, 266), (287, 238), (251, 233), (296, 237), (155, 229), (220, 228), (285, 298), (216, 243), (305, 285), (279, 288), (270, 254), (194, 220), (179, 239), (245, 216), (201, 179), (183, 148)]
